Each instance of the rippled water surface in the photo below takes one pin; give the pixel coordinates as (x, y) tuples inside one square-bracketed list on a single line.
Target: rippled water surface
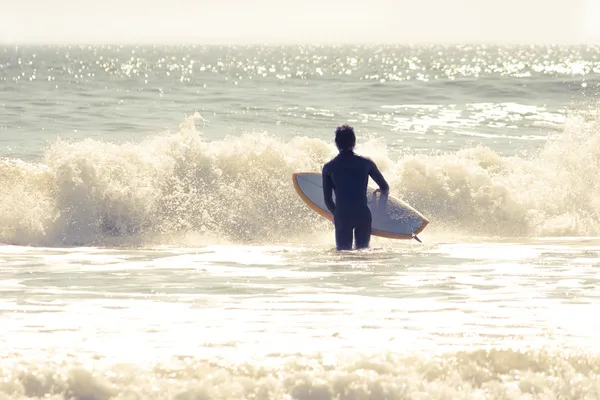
[(153, 246)]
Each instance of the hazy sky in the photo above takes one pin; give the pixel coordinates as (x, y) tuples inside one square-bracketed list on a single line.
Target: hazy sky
[(304, 21)]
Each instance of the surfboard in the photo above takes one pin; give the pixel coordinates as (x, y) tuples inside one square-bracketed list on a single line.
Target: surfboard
[(391, 217)]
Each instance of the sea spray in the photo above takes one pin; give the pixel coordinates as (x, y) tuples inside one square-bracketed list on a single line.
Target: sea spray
[(239, 188), (89, 191)]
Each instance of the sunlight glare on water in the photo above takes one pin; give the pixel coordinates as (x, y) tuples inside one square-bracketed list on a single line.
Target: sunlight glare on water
[(153, 245)]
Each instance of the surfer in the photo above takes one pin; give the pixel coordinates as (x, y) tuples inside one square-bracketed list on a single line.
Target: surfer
[(348, 175)]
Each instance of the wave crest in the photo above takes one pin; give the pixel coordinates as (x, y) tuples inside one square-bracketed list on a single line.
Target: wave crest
[(239, 189)]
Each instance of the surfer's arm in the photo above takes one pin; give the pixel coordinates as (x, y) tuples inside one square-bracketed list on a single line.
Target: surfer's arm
[(378, 178), (328, 191)]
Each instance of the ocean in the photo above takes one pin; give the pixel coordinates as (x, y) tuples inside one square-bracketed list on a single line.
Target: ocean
[(153, 246)]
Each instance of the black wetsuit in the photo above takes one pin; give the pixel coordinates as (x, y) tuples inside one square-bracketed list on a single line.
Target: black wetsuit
[(348, 175)]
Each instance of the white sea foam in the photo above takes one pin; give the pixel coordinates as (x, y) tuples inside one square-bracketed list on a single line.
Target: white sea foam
[(476, 374), (239, 189)]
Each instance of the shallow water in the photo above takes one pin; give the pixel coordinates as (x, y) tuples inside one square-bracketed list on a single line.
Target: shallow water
[(471, 319)]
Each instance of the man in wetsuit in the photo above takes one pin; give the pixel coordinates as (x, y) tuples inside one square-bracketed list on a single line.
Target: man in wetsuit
[(348, 175)]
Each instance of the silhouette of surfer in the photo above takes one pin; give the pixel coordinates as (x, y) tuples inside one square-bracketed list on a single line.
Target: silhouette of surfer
[(348, 175)]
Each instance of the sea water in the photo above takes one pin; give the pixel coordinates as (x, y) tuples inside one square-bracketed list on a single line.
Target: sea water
[(153, 246)]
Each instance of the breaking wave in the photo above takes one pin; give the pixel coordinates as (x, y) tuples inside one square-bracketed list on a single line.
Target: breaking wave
[(239, 188), (475, 374)]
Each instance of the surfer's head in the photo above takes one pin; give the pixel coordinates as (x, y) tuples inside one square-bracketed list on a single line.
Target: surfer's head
[(345, 139)]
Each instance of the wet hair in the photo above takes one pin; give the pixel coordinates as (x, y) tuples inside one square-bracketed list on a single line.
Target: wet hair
[(345, 139)]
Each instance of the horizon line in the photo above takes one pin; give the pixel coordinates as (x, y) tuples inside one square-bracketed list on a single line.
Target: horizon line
[(297, 43)]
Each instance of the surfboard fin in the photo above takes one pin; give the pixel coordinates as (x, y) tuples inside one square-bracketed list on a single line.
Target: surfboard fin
[(417, 239)]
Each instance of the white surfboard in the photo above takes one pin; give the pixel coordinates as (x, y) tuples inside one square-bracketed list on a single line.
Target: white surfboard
[(392, 217)]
